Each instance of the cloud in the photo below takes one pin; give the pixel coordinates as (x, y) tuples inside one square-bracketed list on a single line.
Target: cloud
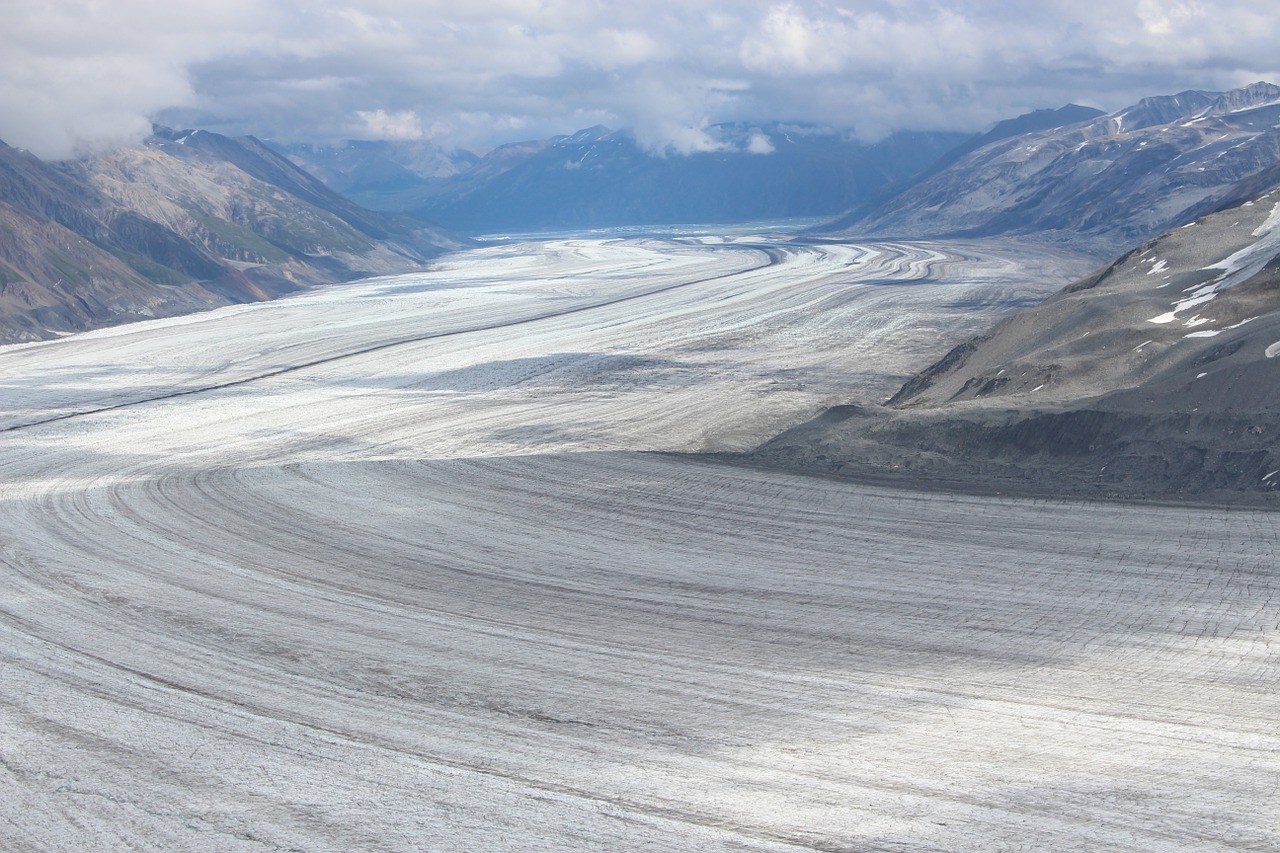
[(77, 73), (80, 73), (789, 41), (670, 112), (380, 124)]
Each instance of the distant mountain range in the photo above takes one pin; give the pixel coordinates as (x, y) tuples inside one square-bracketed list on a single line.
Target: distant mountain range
[(1102, 184), (192, 219), (187, 220), (1096, 182), (387, 175), (600, 177)]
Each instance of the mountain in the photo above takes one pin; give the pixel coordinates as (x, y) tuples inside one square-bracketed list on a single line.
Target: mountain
[(187, 220), (603, 178), (1102, 184), (1031, 122), (599, 177), (380, 175), (1154, 377)]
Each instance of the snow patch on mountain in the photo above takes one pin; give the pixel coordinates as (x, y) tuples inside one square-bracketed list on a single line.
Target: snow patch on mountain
[(1237, 267)]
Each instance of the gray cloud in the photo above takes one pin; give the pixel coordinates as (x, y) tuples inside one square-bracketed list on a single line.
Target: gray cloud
[(78, 73)]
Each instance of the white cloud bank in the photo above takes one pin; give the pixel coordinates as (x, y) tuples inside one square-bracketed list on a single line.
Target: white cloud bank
[(79, 73)]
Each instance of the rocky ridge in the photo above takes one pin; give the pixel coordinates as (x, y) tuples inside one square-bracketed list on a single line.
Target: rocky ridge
[(1102, 184), (185, 221), (1156, 377)]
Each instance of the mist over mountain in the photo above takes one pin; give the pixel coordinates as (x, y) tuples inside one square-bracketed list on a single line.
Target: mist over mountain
[(600, 177), (382, 174), (186, 221), (1102, 184)]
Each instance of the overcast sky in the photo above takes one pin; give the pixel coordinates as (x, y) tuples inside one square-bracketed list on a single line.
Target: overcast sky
[(78, 73)]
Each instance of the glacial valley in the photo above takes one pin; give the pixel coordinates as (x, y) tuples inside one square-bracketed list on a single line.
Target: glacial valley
[(423, 562)]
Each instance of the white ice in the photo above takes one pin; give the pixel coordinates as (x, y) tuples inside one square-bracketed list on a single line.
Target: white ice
[(380, 568), (1237, 267)]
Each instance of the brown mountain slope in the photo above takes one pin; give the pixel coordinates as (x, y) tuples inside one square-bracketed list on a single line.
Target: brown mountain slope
[(54, 280), (183, 222)]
